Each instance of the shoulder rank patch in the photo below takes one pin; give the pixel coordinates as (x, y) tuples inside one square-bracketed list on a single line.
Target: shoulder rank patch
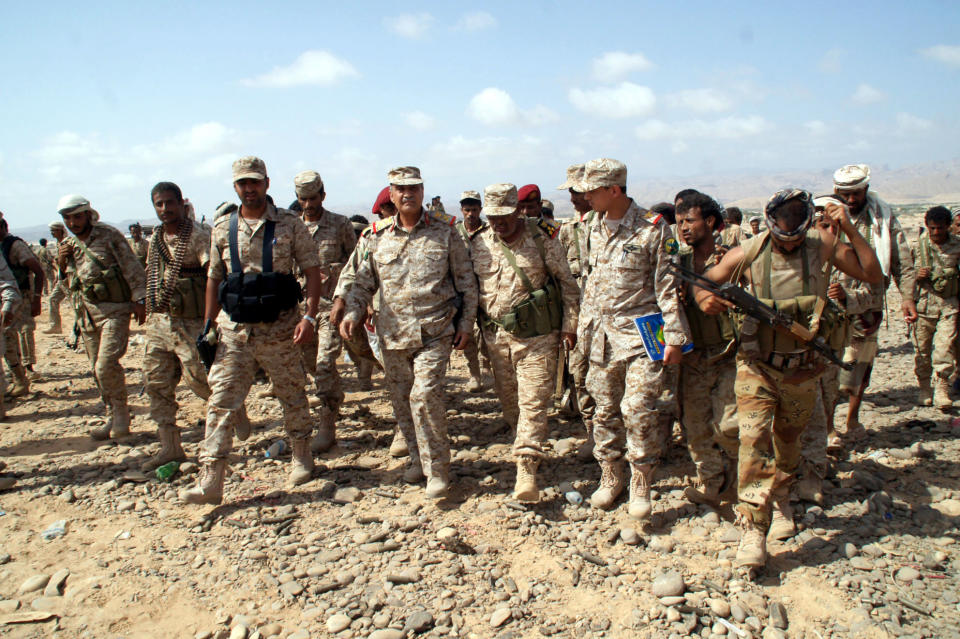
[(652, 217), (548, 226), (443, 217), (379, 225), (671, 246)]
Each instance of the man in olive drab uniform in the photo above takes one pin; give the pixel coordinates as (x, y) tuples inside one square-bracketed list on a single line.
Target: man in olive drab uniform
[(177, 259), (59, 288), (28, 272), (573, 237), (468, 227), (254, 252), (935, 256), (628, 257), (108, 284), (138, 244), (709, 406), (777, 375), (875, 221), (512, 258), (417, 264), (335, 240)]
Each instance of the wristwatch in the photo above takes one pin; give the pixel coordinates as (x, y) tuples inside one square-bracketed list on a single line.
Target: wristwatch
[(312, 320)]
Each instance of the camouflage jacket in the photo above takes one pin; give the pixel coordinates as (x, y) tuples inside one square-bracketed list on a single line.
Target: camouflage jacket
[(573, 237), (9, 292), (140, 249), (942, 261), (110, 247), (335, 240)]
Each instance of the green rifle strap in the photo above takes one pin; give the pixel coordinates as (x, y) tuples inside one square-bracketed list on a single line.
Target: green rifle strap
[(768, 258), (512, 260), (93, 258)]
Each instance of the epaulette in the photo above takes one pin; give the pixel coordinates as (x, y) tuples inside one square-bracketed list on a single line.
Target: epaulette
[(548, 226), (443, 217), (653, 218), (379, 225)]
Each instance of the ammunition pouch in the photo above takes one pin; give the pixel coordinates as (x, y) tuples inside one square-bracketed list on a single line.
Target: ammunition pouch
[(945, 282), (250, 298), (107, 286), (539, 314), (761, 341), (188, 298)]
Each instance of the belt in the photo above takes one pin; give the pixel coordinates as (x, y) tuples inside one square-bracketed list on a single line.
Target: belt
[(789, 361)]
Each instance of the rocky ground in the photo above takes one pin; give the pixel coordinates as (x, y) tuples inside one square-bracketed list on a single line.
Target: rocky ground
[(357, 553)]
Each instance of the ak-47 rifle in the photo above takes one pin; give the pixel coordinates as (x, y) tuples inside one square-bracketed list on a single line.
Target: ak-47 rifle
[(755, 308)]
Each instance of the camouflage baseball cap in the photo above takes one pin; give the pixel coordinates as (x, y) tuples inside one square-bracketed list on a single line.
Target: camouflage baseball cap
[(470, 195), (56, 225), (574, 177), (404, 176), (603, 172), (546, 204), (73, 204), (307, 184), (499, 199), (249, 168)]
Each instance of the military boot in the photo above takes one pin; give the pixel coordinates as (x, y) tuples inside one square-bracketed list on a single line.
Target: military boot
[(611, 484), (526, 486), (705, 493), (475, 385), (302, 462), (925, 394), (942, 394), (21, 385), (54, 328), (118, 423), (170, 449), (640, 476), (209, 488), (782, 526), (810, 488), (585, 452), (438, 482), (398, 447), (752, 551), (326, 435)]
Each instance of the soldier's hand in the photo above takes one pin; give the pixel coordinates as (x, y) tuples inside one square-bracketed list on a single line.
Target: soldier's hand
[(303, 331), (672, 354), (64, 251), (836, 292), (338, 311), (461, 340), (140, 312), (837, 213), (569, 340), (909, 309), (923, 273), (348, 328), (712, 304)]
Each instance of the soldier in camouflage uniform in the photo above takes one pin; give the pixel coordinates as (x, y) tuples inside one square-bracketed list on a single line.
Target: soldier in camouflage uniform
[(108, 284), (418, 265), (59, 287), (243, 345), (573, 238), (138, 244), (471, 225), (777, 375), (707, 374), (628, 258), (28, 272), (935, 256), (9, 300), (513, 257), (335, 240)]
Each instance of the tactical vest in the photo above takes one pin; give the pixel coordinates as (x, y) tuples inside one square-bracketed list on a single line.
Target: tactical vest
[(250, 298), (106, 287), (810, 308), (944, 281), (707, 330), (20, 273), (189, 293)]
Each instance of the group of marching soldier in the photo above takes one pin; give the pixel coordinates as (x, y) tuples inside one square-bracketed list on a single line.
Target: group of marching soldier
[(645, 316)]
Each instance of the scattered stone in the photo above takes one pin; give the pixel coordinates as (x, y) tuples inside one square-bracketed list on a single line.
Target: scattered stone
[(661, 544), (778, 615), (500, 616), (291, 588), (386, 633), (670, 584), (949, 507), (9, 605), (33, 584), (908, 574), (719, 607), (409, 576), (55, 585), (347, 495), (338, 622), (126, 505), (418, 622), (629, 536)]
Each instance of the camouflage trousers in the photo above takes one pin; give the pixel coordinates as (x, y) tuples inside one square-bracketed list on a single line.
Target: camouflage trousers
[(319, 356), (709, 414), (627, 393), (57, 295), (415, 378), (271, 347), (28, 345), (814, 438), (577, 364), (773, 408), (861, 351), (169, 354), (524, 373), (105, 343), (12, 352), (933, 344), (472, 354), (668, 406)]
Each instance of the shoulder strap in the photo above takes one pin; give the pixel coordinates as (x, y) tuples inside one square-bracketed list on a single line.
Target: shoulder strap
[(749, 257), (93, 258), (6, 246), (512, 260), (235, 265), (268, 230), (766, 291)]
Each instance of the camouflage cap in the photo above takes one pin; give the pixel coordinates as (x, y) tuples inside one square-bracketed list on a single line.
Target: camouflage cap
[(603, 172), (852, 177), (470, 195), (307, 184), (249, 168), (404, 176), (547, 204), (574, 177), (73, 204), (499, 199), (53, 226)]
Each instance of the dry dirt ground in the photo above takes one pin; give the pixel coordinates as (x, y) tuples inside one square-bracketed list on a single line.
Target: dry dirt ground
[(357, 553)]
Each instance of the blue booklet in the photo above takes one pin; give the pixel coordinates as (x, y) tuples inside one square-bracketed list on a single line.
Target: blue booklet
[(651, 331)]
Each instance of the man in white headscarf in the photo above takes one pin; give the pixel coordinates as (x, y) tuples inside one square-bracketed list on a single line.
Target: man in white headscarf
[(873, 219)]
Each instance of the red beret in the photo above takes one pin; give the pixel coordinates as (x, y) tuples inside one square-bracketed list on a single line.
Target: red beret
[(382, 199), (530, 191)]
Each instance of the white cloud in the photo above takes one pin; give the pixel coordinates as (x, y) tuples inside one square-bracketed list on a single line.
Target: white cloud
[(725, 128), (943, 53), (700, 100), (495, 107), (908, 124), (833, 60), (625, 100), (476, 21), (409, 25), (318, 68), (815, 127), (616, 65), (419, 120), (123, 182), (866, 94), (487, 157)]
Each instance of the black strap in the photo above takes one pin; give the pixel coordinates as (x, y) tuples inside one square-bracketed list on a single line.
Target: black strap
[(7, 245), (235, 265), (268, 246), (269, 227)]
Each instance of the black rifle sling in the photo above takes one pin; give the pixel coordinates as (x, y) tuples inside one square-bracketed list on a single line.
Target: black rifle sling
[(268, 230), (268, 233), (235, 265)]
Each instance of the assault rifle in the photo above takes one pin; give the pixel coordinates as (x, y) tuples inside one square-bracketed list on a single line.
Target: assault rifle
[(755, 308)]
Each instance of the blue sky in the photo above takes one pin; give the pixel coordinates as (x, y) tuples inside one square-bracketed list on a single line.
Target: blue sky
[(108, 99)]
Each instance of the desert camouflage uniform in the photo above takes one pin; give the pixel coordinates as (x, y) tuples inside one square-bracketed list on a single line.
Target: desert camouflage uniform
[(628, 279), (171, 349), (359, 346), (335, 239), (573, 237), (707, 375), (416, 275), (935, 331), (774, 406), (524, 369), (731, 235), (270, 345), (59, 287), (105, 326), (473, 350), (9, 298), (140, 248), (49, 267), (14, 353), (813, 441)]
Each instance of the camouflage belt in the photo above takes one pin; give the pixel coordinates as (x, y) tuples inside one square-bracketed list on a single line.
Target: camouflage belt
[(789, 361)]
